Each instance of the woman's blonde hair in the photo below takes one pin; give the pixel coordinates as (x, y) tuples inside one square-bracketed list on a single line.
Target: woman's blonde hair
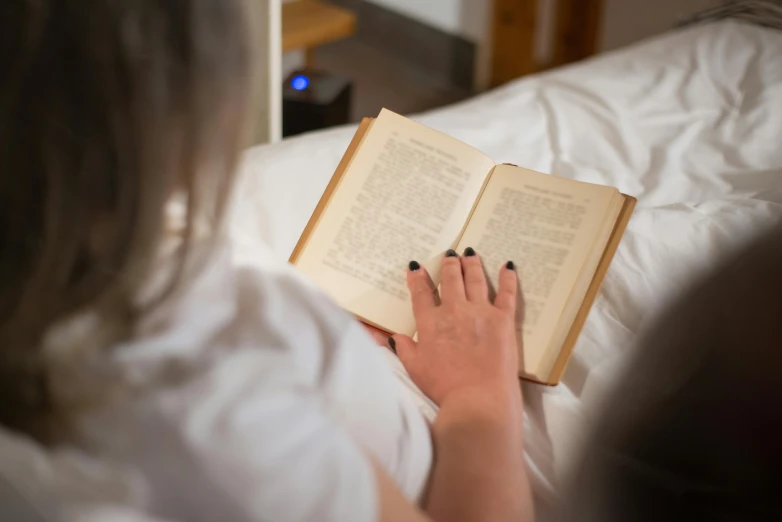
[(107, 109)]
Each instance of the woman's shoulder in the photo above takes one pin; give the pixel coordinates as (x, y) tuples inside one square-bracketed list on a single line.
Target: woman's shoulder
[(240, 391), (253, 391), (265, 306)]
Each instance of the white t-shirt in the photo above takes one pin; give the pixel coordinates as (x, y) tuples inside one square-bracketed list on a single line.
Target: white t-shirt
[(257, 399)]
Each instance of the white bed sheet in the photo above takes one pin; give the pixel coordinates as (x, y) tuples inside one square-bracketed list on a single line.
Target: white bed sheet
[(689, 122)]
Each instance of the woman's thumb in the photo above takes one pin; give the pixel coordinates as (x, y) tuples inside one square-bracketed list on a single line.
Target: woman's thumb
[(403, 345)]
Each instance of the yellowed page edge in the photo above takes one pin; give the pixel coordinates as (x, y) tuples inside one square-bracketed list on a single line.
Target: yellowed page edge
[(581, 287), (332, 186), (594, 289)]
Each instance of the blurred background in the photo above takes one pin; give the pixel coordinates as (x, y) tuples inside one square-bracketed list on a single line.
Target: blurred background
[(342, 60)]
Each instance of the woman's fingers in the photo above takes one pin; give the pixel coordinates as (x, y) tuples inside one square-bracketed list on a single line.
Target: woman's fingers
[(507, 289), (404, 347), (475, 285), (422, 289), (451, 278)]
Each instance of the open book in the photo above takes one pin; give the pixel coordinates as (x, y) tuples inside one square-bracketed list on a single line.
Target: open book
[(406, 192)]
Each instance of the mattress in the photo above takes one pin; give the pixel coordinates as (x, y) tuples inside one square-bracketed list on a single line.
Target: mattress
[(689, 122)]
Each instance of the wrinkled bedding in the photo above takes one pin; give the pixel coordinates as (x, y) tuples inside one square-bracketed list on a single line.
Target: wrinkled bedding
[(689, 122)]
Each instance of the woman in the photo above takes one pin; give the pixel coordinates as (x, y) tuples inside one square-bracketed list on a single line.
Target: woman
[(142, 373)]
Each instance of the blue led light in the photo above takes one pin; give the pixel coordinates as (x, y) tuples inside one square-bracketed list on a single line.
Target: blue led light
[(300, 82)]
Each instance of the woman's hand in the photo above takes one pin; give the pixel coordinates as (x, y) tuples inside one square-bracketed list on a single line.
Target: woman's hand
[(466, 360), (466, 343)]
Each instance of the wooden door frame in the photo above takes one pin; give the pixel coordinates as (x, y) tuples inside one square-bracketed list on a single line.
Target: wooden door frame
[(578, 25), (575, 35)]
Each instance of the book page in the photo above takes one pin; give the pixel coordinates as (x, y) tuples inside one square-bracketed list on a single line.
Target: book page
[(548, 227), (406, 195)]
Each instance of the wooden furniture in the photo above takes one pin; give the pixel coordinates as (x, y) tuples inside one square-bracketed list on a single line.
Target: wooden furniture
[(516, 25), (577, 30), (309, 23)]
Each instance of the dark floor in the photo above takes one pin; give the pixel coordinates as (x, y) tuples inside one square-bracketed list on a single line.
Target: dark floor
[(383, 80)]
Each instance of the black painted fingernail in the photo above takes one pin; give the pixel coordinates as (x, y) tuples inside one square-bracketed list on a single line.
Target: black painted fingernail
[(510, 266), (392, 344), (451, 253), (414, 266), (469, 252)]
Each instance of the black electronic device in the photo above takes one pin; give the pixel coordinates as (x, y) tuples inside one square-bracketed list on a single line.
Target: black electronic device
[(314, 100)]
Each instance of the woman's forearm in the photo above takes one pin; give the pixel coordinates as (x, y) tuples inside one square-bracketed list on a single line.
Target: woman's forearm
[(479, 472)]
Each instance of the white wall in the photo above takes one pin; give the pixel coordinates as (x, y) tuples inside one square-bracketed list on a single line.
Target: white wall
[(291, 61)]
